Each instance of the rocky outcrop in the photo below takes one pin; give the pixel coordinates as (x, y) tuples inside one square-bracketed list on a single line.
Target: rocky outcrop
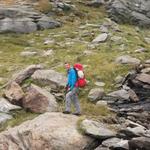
[(39, 100), (135, 12), (24, 20), (48, 131)]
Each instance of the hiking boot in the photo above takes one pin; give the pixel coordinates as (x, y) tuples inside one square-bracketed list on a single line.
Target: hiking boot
[(66, 112), (77, 114)]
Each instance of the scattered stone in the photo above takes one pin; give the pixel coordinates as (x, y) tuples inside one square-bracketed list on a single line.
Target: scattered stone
[(96, 94), (50, 77), (5, 106), (147, 61), (147, 40), (47, 53), (101, 84), (96, 129), (14, 93), (96, 3), (4, 117), (127, 60), (49, 42), (28, 53), (47, 131), (140, 50), (104, 29), (116, 39), (100, 38), (101, 103), (39, 100)]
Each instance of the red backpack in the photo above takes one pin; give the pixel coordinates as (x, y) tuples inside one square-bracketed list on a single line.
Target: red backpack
[(81, 81)]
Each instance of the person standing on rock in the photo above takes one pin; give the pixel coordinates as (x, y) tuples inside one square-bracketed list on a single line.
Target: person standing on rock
[(71, 91)]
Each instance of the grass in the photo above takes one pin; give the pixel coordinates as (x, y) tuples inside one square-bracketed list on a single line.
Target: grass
[(99, 65)]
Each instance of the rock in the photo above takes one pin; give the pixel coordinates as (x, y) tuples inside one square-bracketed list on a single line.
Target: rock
[(120, 94), (146, 70), (28, 53), (47, 53), (122, 145), (96, 129), (145, 78), (101, 103), (14, 93), (134, 132), (140, 143), (96, 3), (64, 6), (39, 100), (147, 61), (133, 12), (4, 117), (95, 94), (127, 60), (5, 106), (110, 142), (49, 42), (119, 79), (147, 40), (116, 39), (25, 25), (47, 131), (104, 29), (45, 23), (24, 74), (50, 77), (19, 19), (140, 50), (100, 38), (133, 96), (102, 148), (101, 84)]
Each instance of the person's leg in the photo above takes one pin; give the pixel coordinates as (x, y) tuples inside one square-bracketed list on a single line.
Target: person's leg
[(76, 101), (68, 102)]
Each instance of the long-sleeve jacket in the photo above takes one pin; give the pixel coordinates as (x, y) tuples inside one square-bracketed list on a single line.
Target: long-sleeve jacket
[(72, 78)]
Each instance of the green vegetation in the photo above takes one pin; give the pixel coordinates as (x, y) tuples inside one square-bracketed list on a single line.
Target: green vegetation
[(70, 43)]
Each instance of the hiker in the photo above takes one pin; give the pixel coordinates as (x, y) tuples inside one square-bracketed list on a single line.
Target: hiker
[(71, 91)]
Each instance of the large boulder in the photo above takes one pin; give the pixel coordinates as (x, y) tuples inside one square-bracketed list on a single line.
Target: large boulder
[(48, 131), (50, 77), (5, 106), (39, 100), (135, 12), (96, 129)]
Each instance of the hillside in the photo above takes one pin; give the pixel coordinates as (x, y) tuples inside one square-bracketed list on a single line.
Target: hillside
[(73, 42)]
